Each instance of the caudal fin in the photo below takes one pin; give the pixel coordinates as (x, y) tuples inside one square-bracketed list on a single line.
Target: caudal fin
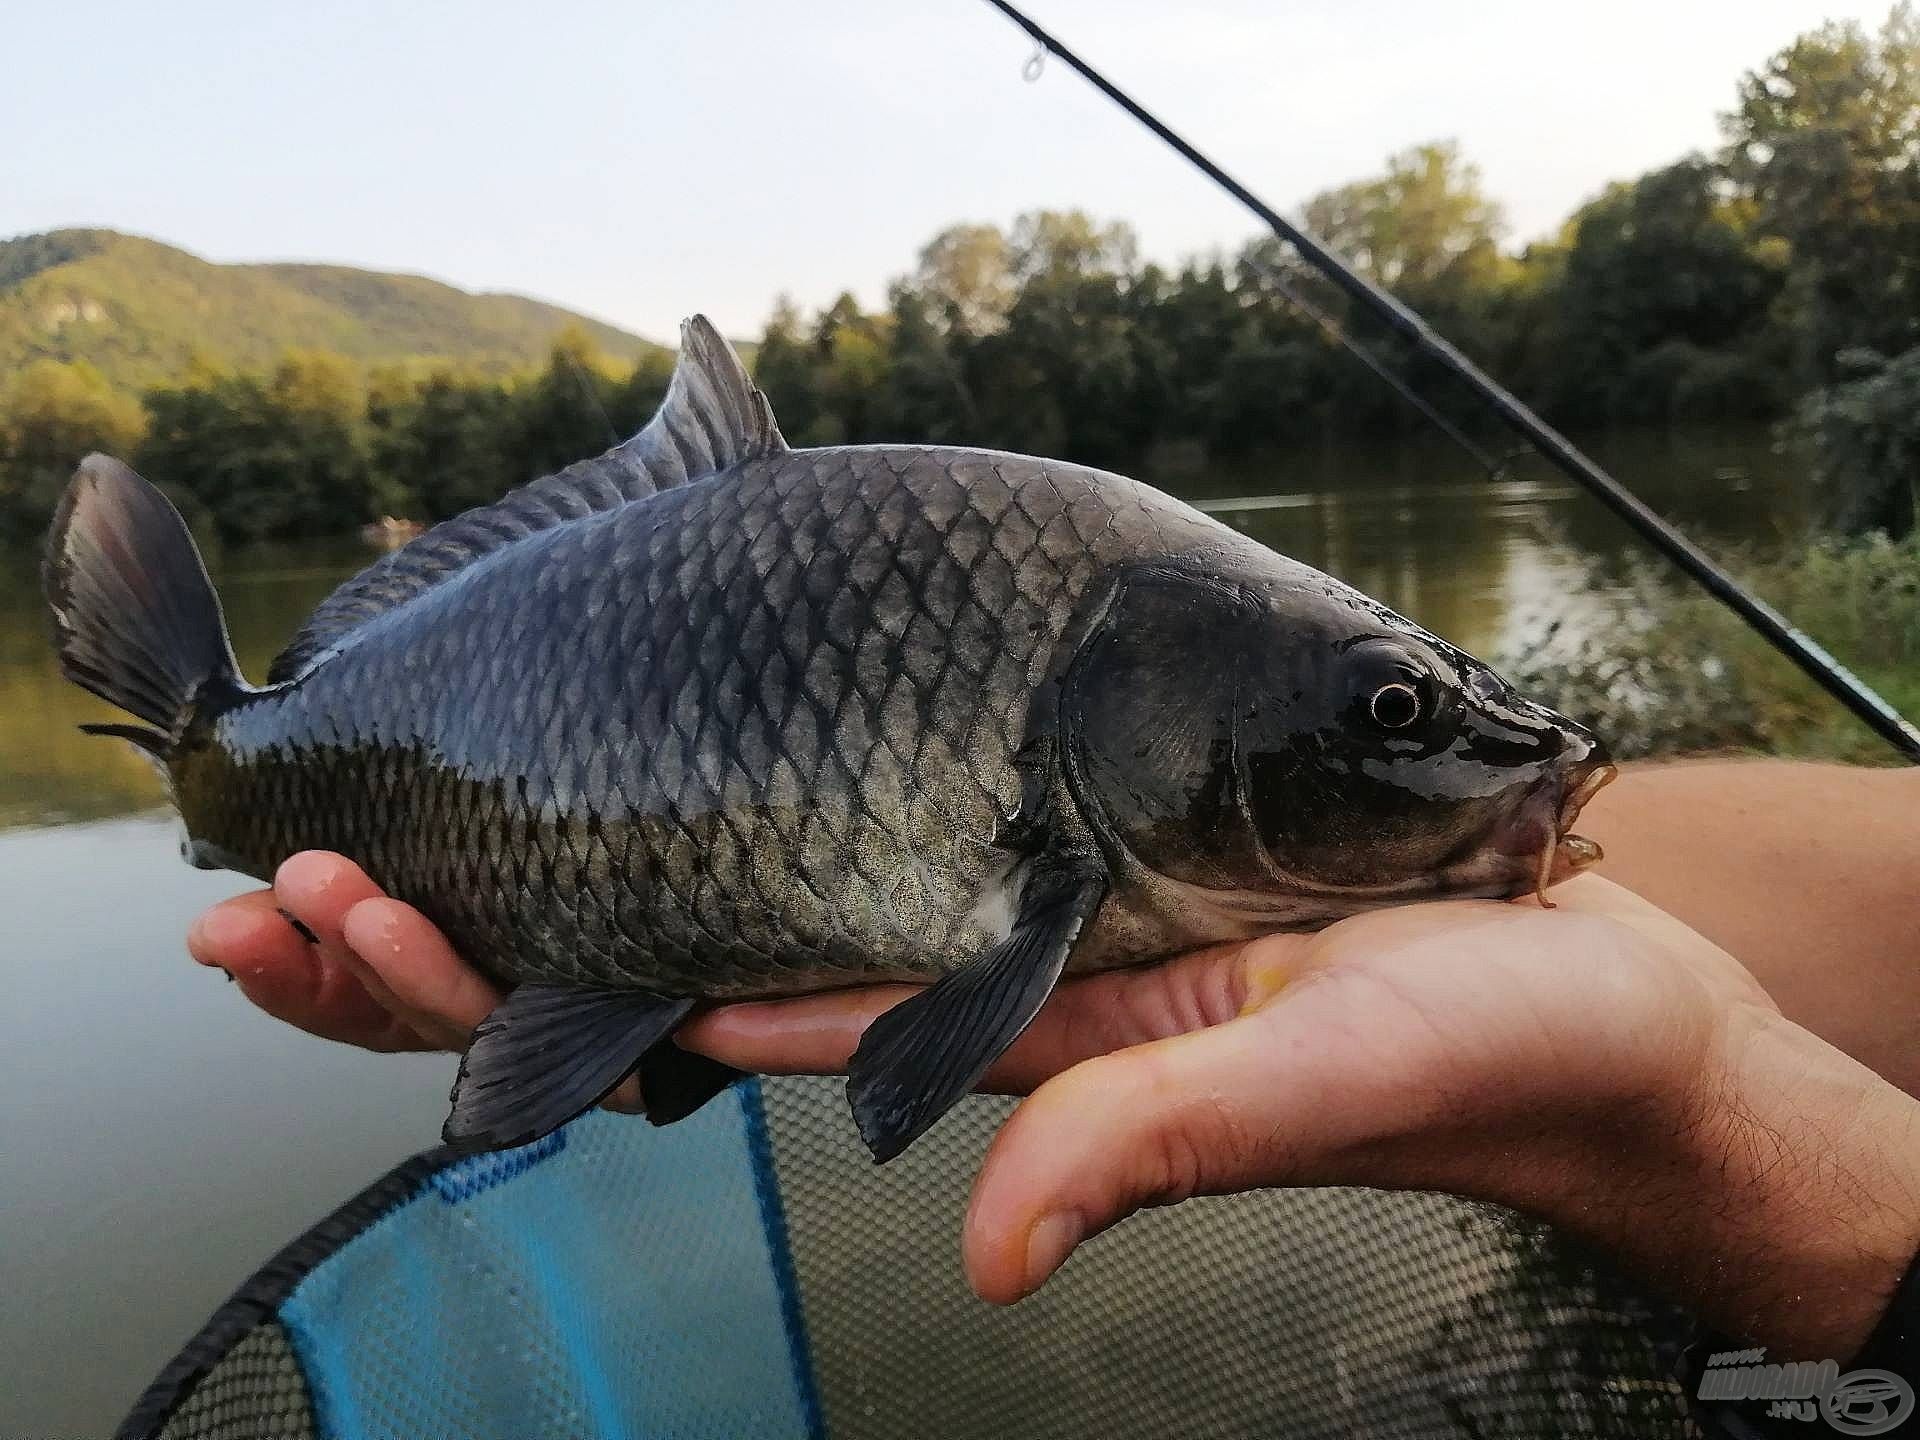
[(135, 618)]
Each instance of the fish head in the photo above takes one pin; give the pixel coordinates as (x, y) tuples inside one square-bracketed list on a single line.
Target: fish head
[(1288, 751), (1387, 762)]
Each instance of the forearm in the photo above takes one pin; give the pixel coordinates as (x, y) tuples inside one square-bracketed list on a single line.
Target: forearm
[(1792, 1206), (1809, 874), (1822, 1165)]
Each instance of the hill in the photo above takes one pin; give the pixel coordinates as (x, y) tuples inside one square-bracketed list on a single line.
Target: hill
[(140, 311)]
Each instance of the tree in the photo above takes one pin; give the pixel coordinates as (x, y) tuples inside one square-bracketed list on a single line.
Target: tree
[(271, 458), (640, 394), (443, 444), (1721, 287), (1866, 436), (1825, 140), (784, 368), (1661, 280), (565, 413), (965, 278), (927, 397), (851, 364), (1061, 244), (52, 414), (1425, 230), (1421, 227)]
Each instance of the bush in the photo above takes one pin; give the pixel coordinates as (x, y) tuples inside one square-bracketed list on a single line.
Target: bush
[(1866, 439), (1658, 667)]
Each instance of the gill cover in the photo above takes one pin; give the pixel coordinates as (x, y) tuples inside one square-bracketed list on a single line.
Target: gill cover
[(1148, 717)]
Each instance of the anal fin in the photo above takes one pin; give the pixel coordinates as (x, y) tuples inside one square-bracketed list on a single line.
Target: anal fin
[(674, 1082), (548, 1053), (920, 1057)]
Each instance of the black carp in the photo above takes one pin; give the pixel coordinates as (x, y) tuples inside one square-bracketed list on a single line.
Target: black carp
[(707, 718)]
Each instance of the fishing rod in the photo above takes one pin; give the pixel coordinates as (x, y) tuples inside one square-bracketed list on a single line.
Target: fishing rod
[(1805, 652)]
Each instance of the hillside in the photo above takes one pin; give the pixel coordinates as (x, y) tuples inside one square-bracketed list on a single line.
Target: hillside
[(140, 311)]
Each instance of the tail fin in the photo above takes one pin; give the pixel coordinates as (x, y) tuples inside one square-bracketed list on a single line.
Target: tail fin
[(135, 618)]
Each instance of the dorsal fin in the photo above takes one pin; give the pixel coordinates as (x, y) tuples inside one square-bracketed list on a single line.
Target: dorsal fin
[(712, 418)]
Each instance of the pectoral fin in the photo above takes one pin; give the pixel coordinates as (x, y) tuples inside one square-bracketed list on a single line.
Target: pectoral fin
[(921, 1056), (548, 1053)]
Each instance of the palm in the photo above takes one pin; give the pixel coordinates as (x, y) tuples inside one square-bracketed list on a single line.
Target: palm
[(1432, 996)]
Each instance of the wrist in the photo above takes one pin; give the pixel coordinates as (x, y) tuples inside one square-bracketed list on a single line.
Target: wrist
[(1808, 1173)]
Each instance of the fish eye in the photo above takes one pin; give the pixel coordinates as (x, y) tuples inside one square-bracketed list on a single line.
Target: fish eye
[(1388, 688), (1395, 706)]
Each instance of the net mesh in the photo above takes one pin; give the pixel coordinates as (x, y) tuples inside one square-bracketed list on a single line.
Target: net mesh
[(1286, 1313), (256, 1392), (623, 1280)]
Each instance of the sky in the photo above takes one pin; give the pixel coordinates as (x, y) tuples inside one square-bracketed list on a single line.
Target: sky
[(639, 161)]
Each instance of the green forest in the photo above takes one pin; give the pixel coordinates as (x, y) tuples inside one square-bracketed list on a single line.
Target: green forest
[(1774, 280)]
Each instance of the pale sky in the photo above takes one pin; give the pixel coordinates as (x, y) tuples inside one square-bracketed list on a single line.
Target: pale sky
[(641, 160)]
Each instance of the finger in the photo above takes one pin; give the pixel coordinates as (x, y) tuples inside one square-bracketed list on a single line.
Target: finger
[(1249, 1103), (812, 1035), (1097, 1014), (817, 1034), (284, 974), (318, 889), (418, 969)]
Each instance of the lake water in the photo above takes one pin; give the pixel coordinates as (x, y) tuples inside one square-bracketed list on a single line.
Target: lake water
[(162, 1139)]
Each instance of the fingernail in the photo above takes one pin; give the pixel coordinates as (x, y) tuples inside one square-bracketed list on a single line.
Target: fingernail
[(298, 924), (364, 936), (205, 934), (1048, 1245)]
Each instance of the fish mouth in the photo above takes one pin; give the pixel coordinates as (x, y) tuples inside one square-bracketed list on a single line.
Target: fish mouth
[(1563, 853)]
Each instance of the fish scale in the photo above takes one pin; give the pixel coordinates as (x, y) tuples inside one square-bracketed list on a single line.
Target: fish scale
[(707, 718), (779, 605)]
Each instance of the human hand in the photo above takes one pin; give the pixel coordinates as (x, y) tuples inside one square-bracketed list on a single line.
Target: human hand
[(1601, 1066), (326, 951)]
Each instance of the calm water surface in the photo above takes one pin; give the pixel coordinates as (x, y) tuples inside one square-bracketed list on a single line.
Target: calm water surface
[(161, 1138)]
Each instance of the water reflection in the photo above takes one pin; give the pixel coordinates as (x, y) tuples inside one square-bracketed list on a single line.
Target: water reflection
[(163, 1138), (1422, 529)]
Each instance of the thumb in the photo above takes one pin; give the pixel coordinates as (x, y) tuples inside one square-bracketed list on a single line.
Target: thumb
[(1265, 1099)]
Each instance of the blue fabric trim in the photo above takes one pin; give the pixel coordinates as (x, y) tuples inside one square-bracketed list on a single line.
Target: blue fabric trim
[(334, 1415), (773, 1217), (589, 1297), (468, 1177)]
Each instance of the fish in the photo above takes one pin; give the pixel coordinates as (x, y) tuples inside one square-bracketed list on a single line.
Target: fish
[(708, 717)]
